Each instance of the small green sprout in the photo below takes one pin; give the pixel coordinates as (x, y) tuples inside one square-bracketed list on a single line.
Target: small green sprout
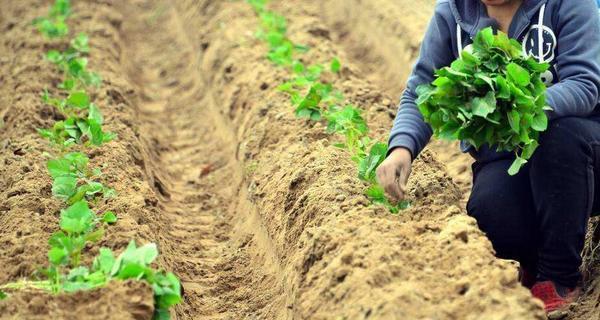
[(74, 181), (54, 25)]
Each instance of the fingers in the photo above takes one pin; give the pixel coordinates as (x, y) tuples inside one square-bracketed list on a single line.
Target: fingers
[(390, 179), (404, 173)]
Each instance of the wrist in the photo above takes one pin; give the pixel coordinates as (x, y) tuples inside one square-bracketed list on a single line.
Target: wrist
[(401, 152)]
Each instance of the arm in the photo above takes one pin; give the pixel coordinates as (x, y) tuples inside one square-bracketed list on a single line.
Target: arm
[(577, 60), (409, 130)]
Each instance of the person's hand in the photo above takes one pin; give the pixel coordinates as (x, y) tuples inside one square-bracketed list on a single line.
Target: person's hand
[(393, 173)]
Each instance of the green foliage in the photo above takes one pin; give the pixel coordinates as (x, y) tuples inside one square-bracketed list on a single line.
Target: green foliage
[(492, 95), (81, 43), (258, 5), (54, 25), (317, 100), (369, 163), (349, 122), (335, 65), (74, 65), (74, 181), (78, 227), (134, 263), (76, 184), (273, 31), (83, 123), (377, 195)]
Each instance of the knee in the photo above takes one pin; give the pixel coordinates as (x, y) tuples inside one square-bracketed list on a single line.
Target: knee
[(499, 217), (484, 206), (561, 141)]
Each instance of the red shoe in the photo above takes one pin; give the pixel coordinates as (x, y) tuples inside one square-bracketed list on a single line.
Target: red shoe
[(548, 292)]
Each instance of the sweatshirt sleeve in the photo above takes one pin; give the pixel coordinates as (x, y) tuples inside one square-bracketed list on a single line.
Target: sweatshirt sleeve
[(410, 130), (577, 60)]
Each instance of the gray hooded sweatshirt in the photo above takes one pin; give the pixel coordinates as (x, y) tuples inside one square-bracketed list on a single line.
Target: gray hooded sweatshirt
[(564, 33)]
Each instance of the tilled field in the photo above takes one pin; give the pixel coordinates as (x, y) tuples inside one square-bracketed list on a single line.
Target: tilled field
[(255, 210)]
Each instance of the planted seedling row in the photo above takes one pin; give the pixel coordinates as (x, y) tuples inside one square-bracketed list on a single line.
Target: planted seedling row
[(78, 185), (320, 101)]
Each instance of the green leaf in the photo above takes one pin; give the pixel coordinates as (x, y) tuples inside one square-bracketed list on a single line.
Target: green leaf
[(484, 106), (516, 166), (80, 43), (54, 56), (109, 217), (59, 167), (298, 67), (540, 122), (368, 165), (95, 114), (78, 218), (518, 74), (78, 99), (487, 35), (64, 187), (469, 58), (94, 236), (105, 261), (57, 256), (529, 150), (335, 65), (79, 272), (503, 88), (3, 295), (514, 119)]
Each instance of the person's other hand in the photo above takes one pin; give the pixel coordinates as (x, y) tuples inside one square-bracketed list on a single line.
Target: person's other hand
[(393, 173)]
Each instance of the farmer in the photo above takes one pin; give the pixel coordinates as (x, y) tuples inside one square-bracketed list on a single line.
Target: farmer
[(539, 216)]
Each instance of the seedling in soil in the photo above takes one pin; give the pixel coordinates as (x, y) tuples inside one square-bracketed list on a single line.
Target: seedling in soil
[(76, 184), (74, 66), (377, 195), (349, 123), (54, 25), (321, 100), (78, 227), (74, 181), (258, 5), (83, 123), (133, 263), (492, 95), (335, 66), (273, 31)]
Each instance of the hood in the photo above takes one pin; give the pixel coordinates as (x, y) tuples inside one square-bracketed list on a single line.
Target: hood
[(472, 16)]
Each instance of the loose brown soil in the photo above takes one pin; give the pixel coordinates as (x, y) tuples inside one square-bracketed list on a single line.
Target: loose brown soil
[(255, 210)]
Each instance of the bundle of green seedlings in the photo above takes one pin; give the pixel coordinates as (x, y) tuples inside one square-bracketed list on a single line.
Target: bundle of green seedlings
[(78, 185), (492, 95), (317, 101)]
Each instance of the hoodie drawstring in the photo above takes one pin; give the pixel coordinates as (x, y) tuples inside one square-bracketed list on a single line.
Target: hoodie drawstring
[(459, 44), (541, 34)]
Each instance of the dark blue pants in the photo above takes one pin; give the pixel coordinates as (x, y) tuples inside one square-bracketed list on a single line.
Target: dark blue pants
[(539, 217)]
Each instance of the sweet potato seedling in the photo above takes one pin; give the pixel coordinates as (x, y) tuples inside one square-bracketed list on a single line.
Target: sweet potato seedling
[(492, 95), (74, 66), (54, 25), (78, 227), (349, 122), (83, 123), (74, 181)]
